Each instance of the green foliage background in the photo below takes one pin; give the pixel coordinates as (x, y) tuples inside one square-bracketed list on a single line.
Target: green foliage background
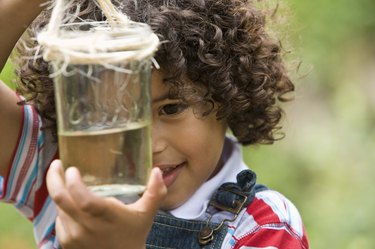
[(325, 165)]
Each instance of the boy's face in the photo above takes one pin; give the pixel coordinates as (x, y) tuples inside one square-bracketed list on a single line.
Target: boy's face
[(186, 148)]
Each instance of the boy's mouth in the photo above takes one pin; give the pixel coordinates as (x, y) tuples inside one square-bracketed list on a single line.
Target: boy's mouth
[(171, 173), (169, 169)]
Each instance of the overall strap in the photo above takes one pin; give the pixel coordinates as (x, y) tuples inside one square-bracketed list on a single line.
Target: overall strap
[(231, 198)]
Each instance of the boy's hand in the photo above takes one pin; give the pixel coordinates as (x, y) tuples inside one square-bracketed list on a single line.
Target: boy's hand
[(88, 221)]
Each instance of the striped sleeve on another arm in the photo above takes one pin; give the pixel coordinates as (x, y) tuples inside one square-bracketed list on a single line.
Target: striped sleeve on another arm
[(270, 222), (24, 185)]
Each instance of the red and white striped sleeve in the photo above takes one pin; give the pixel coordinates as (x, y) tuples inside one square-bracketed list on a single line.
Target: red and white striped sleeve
[(24, 186), (271, 221)]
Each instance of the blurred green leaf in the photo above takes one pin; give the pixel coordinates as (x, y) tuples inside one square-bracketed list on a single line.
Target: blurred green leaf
[(7, 74)]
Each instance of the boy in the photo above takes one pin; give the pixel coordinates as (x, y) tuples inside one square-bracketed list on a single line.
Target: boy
[(219, 70)]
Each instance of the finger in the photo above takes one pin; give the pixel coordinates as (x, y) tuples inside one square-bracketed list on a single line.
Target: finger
[(57, 189), (154, 194), (63, 232), (85, 200), (68, 231)]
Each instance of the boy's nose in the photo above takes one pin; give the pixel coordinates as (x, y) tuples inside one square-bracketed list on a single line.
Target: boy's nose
[(159, 143)]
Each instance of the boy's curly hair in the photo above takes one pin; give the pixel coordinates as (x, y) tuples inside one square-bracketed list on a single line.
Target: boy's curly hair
[(219, 45)]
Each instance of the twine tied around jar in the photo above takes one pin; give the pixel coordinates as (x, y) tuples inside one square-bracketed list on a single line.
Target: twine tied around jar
[(106, 43)]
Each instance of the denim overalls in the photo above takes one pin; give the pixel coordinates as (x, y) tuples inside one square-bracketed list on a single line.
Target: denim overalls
[(171, 232)]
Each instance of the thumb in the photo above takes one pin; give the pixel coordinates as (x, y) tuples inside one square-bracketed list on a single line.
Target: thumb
[(154, 194)]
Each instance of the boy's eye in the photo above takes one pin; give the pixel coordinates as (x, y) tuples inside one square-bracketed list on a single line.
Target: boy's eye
[(172, 109)]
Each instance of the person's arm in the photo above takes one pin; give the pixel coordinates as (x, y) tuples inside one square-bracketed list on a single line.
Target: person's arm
[(15, 16), (10, 124)]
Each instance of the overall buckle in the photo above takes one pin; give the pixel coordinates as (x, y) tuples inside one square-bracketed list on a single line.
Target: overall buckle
[(234, 205)]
